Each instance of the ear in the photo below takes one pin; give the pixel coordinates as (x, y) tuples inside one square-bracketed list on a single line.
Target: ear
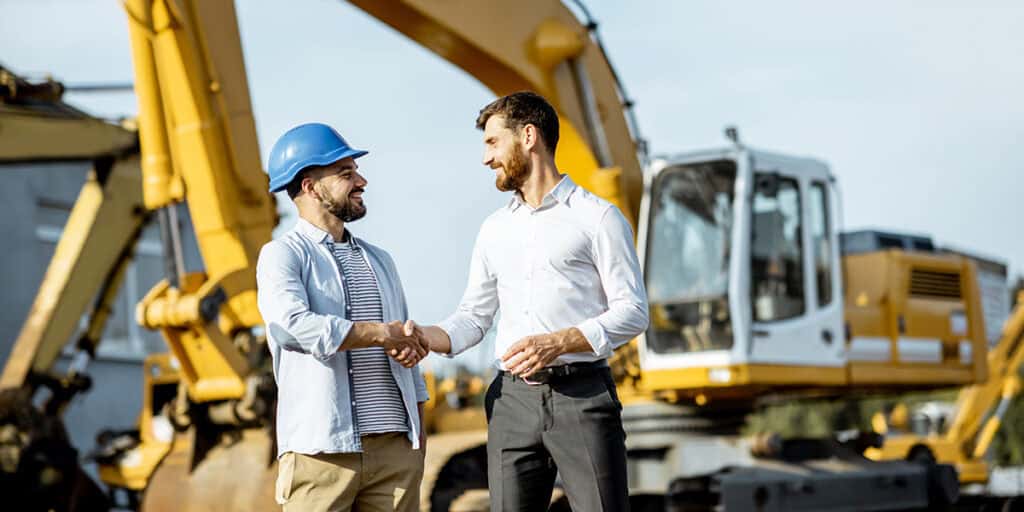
[(308, 187), (528, 136)]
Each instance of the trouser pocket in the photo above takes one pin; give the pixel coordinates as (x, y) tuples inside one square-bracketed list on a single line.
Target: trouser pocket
[(285, 477)]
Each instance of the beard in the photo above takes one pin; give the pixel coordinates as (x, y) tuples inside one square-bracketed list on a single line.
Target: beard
[(347, 210), (516, 170)]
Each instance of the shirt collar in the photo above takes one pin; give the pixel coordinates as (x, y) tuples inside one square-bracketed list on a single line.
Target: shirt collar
[(318, 235), (560, 193)]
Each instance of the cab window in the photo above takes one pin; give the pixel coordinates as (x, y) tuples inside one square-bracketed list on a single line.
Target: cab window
[(776, 250)]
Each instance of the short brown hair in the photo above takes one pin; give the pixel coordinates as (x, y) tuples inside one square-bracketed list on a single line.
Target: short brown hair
[(295, 186), (521, 109)]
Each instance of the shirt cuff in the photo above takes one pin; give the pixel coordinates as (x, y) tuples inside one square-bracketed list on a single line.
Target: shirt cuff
[(460, 337), (596, 336), (334, 336)]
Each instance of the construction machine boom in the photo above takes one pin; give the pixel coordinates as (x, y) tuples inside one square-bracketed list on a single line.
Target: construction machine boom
[(750, 292), (978, 412)]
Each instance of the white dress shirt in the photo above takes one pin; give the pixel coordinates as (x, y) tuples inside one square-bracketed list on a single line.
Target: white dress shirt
[(568, 263)]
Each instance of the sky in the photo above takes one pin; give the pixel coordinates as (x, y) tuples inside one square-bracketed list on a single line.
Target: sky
[(916, 106)]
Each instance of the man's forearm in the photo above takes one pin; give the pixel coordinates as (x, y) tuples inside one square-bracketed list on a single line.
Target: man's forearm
[(363, 335), (437, 338), (572, 341)]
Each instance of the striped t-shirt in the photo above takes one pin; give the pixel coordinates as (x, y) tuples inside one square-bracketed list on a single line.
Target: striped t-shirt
[(378, 402)]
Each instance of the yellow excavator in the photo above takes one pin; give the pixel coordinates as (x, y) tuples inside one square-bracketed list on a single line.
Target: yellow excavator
[(753, 294)]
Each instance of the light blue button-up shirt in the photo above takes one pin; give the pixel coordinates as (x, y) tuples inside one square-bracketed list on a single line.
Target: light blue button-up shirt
[(301, 296)]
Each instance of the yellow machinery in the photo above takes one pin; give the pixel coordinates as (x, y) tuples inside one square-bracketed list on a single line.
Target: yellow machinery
[(979, 411), (38, 467), (750, 295)]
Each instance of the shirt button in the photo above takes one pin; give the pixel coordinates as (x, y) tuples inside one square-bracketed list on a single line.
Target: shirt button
[(353, 402)]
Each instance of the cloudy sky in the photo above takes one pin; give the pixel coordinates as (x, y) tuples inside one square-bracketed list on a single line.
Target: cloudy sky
[(917, 106)]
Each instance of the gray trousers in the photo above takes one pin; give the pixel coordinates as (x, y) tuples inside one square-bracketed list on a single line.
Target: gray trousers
[(571, 426)]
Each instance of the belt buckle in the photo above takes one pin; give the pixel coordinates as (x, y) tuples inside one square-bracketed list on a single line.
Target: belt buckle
[(542, 376)]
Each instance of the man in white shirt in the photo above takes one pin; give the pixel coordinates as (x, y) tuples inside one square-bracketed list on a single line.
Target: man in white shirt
[(561, 264)]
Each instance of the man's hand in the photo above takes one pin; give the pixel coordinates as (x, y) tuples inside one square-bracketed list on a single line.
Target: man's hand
[(402, 342), (533, 353), (410, 328)]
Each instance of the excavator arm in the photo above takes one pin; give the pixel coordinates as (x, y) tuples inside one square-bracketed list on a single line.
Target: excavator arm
[(198, 147), (83, 277), (978, 412), (539, 45), (101, 229)]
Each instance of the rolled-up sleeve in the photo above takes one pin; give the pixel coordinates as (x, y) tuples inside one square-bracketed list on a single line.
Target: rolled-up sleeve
[(284, 305), (619, 268), (475, 313)]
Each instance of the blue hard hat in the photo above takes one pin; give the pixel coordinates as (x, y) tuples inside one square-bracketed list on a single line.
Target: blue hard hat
[(303, 146)]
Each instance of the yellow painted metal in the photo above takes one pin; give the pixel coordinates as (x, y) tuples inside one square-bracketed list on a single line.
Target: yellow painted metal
[(35, 125), (532, 48), (979, 410), (742, 378), (970, 471), (133, 470), (238, 474), (976, 402), (555, 42), (879, 304), (194, 98), (135, 473), (103, 223), (28, 135), (103, 306), (161, 186), (911, 375), (212, 368), (1011, 388), (203, 89), (199, 144)]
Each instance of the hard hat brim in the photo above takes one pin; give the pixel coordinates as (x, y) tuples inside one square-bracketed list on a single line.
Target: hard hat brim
[(319, 160)]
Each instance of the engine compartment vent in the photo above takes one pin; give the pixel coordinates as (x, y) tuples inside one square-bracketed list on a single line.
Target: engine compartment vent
[(935, 284)]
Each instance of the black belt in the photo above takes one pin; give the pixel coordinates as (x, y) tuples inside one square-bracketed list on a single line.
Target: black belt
[(550, 373)]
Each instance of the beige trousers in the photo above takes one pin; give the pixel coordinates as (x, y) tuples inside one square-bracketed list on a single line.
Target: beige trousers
[(385, 477)]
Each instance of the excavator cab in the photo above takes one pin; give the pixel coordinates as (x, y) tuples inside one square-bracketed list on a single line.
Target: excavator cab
[(745, 279), (742, 269)]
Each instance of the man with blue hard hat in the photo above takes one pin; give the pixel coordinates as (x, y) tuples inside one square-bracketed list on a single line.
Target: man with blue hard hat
[(350, 393)]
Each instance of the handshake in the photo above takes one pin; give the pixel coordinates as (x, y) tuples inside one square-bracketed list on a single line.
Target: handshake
[(405, 343)]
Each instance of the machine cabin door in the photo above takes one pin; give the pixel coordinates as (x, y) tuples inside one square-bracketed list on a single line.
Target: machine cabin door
[(795, 297)]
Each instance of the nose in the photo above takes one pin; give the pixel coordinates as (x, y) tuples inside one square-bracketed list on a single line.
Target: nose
[(487, 158), (361, 181)]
